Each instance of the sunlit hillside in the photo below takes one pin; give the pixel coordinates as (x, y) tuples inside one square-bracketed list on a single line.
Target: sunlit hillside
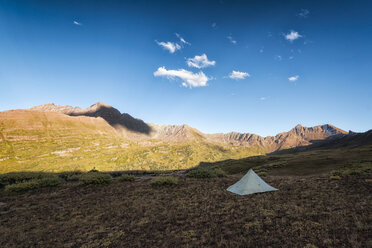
[(40, 141)]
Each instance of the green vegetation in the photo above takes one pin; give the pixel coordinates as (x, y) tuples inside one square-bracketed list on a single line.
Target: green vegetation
[(19, 177), (202, 172), (355, 168), (127, 178), (95, 178), (340, 162), (219, 172), (262, 174), (33, 184), (70, 176), (36, 142), (335, 177), (164, 181)]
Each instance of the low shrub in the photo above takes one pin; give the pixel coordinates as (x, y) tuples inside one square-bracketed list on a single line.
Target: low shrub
[(354, 171), (33, 184), (164, 181), (70, 176), (49, 182), (19, 177), (127, 178), (336, 173), (73, 178), (262, 174), (95, 178), (201, 173), (335, 177), (219, 172), (115, 174)]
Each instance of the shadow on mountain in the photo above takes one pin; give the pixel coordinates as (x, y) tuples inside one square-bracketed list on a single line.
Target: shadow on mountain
[(116, 119), (350, 140)]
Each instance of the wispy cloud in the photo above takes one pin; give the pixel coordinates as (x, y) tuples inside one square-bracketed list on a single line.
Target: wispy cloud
[(182, 39), (189, 79), (293, 35), (261, 50), (278, 57), (200, 61), (304, 13), (238, 75), (230, 38), (293, 78), (170, 46), (77, 23), (263, 98), (214, 25)]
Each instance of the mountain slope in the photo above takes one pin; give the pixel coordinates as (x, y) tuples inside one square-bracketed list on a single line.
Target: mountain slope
[(52, 141), (58, 138), (119, 121), (136, 129)]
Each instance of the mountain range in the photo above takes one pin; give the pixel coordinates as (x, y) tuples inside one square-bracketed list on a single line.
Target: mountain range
[(136, 129), (58, 138)]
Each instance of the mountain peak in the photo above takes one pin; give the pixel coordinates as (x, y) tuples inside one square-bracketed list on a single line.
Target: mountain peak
[(101, 104), (332, 130)]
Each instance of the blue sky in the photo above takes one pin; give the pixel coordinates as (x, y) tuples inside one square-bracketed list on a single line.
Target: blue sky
[(81, 52)]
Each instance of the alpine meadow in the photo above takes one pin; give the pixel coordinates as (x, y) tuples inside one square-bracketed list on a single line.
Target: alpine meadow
[(185, 123)]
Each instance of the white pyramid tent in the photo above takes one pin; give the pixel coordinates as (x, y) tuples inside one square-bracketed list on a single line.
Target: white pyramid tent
[(249, 184)]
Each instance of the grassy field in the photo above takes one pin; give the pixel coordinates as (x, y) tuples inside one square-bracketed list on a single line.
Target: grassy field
[(312, 162), (324, 200), (54, 143), (305, 212)]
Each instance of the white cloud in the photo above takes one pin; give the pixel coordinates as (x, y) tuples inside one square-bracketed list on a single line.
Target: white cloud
[(261, 50), (189, 78), (238, 75), (77, 23), (293, 78), (182, 39), (293, 35), (230, 38), (304, 13), (291, 57), (170, 46), (200, 61), (263, 98)]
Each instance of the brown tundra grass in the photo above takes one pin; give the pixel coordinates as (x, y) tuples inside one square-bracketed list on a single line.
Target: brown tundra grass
[(307, 211)]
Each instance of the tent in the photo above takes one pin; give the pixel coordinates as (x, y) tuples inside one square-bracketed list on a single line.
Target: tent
[(249, 184)]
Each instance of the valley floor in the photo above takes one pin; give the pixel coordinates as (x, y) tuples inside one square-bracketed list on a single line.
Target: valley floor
[(307, 211)]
